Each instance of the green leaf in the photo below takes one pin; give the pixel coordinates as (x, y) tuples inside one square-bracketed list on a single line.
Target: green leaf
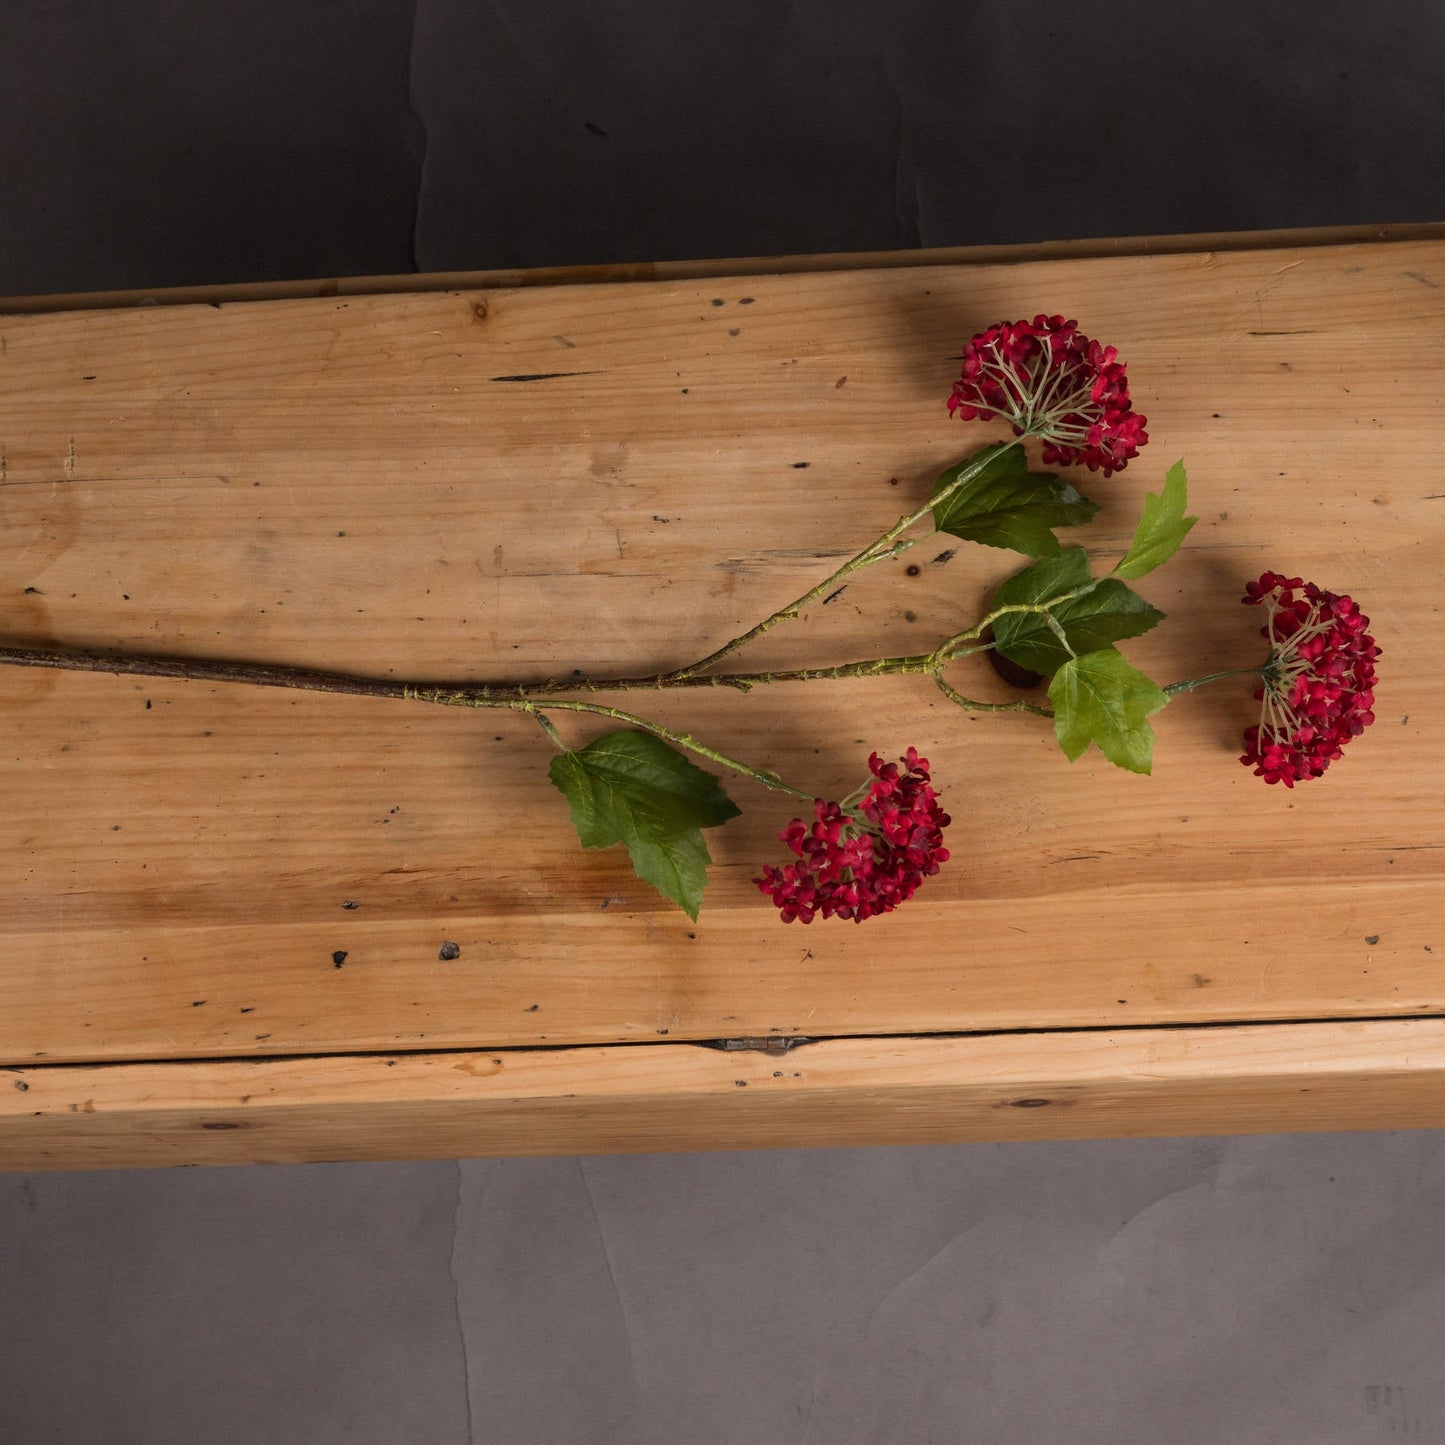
[(1162, 527), (632, 788), (1107, 613), (1100, 699), (1006, 505)]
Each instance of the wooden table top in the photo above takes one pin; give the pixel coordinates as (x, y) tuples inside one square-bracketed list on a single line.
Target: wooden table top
[(511, 481)]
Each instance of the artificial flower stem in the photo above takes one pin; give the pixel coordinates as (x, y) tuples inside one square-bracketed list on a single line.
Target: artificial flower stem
[(553, 736), (201, 669), (952, 648), (461, 694), (682, 740), (1188, 684), (887, 545), (973, 705)]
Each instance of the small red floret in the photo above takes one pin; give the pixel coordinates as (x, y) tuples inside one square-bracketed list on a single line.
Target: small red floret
[(865, 859), (1319, 682), (1046, 379)]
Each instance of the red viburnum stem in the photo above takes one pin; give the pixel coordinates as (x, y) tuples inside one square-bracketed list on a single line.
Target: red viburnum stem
[(460, 694), (1188, 684), (883, 547), (973, 705), (203, 669)]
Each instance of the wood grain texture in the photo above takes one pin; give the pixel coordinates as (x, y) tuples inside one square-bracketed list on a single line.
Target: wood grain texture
[(613, 1099), (369, 483)]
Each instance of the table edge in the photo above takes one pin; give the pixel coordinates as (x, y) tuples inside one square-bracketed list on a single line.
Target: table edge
[(1013, 254), (1067, 1084)]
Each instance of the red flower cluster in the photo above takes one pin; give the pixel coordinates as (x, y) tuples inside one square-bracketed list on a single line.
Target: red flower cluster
[(1049, 381), (866, 858), (1318, 682)]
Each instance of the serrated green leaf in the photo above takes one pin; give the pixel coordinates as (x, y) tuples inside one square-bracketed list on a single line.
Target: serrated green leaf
[(632, 788), (1047, 578), (1108, 613), (1100, 699), (1162, 528), (1006, 505)]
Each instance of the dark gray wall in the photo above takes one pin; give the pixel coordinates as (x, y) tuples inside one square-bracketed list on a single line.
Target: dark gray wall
[(1286, 1291), (160, 142)]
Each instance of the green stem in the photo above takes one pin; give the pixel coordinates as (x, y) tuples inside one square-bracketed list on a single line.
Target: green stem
[(886, 546), (682, 740), (973, 705), (459, 694), (951, 649), (553, 736), (1190, 683), (205, 669)]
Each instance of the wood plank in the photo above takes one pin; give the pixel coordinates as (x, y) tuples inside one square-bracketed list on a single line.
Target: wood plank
[(357, 483), (612, 1099)]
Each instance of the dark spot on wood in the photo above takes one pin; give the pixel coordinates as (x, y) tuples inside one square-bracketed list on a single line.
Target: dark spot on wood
[(351, 903), (219, 1124), (1372, 939), (1200, 980), (148, 704), (449, 951), (912, 569), (197, 1002), (89, 377), (33, 592), (338, 958), (801, 466), (841, 382), (909, 616), (1030, 1103), (745, 300), (662, 1031), (741, 1083), (834, 596), (532, 1008), (718, 301), (735, 331), (22, 1086), (692, 935), (250, 1010), (480, 309), (542, 375)]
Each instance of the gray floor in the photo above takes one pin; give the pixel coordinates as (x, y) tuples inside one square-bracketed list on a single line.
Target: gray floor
[(1287, 1290)]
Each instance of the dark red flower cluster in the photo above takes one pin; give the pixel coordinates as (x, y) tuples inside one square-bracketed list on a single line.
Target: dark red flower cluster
[(1319, 679), (864, 858), (1049, 381)]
